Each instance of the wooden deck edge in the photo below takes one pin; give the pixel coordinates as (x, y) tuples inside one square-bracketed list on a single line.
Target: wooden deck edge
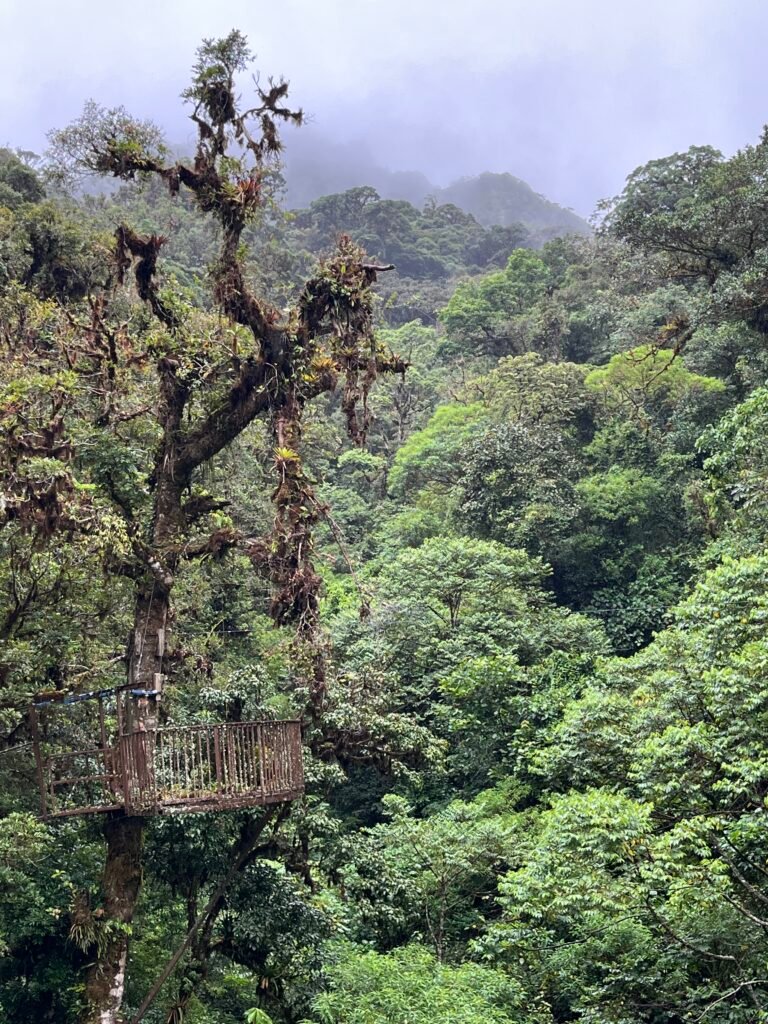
[(255, 799), (237, 803)]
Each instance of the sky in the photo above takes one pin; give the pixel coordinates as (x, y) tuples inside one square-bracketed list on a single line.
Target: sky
[(570, 95)]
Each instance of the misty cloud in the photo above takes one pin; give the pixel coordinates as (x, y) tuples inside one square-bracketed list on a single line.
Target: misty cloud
[(569, 95)]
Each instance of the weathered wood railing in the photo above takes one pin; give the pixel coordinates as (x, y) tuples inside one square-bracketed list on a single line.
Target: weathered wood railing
[(183, 768)]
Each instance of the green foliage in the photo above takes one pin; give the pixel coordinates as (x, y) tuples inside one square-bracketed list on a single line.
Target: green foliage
[(567, 912), (408, 984), (736, 469), (647, 384), (528, 389), (430, 454), (257, 1016), (88, 145), (19, 183), (429, 878), (482, 314), (517, 486), (499, 713)]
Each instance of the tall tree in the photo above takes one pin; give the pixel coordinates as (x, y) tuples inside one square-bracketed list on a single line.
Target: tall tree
[(270, 365)]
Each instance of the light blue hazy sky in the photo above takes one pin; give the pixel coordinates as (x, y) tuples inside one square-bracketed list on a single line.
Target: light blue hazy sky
[(569, 94)]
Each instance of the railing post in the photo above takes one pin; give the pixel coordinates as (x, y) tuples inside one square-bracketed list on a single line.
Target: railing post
[(123, 748), (262, 760), (217, 757), (106, 751), (297, 766), (230, 735), (151, 756)]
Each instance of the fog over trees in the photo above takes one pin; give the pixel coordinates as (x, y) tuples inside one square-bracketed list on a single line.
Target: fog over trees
[(567, 96)]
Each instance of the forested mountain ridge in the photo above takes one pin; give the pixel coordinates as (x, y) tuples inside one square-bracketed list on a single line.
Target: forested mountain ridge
[(515, 590), (317, 168), (504, 199)]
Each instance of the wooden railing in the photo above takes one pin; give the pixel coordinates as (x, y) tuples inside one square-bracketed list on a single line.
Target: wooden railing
[(184, 768), (78, 782)]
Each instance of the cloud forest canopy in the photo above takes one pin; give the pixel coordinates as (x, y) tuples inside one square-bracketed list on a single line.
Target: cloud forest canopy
[(511, 581)]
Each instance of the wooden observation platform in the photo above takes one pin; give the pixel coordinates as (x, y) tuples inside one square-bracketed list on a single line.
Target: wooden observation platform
[(122, 765)]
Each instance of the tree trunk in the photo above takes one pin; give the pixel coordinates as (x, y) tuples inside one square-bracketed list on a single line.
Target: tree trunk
[(145, 670), (153, 600), (149, 624), (105, 982)]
